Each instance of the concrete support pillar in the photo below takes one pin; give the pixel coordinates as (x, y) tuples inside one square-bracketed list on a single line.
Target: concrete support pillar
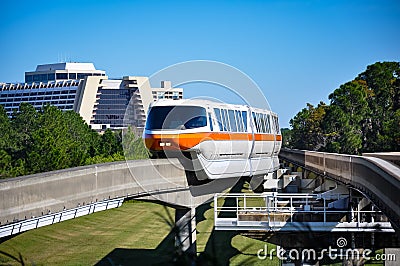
[(392, 256), (185, 239)]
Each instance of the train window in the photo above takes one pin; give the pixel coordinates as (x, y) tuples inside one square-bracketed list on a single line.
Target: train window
[(272, 124), (240, 119), (278, 130), (219, 118), (262, 127), (254, 120), (244, 116), (236, 120), (261, 122), (258, 122), (226, 120), (268, 124), (261, 116), (232, 120), (210, 120), (176, 117)]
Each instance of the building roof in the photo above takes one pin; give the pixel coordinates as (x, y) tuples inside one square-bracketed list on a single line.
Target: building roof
[(66, 66)]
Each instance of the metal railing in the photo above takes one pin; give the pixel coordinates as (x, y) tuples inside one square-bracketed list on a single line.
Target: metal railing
[(52, 218), (276, 210), (377, 179)]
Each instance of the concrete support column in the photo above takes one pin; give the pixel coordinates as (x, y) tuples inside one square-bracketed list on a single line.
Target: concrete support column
[(185, 239), (392, 256)]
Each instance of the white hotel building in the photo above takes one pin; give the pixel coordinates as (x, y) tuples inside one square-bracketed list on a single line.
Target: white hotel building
[(102, 102)]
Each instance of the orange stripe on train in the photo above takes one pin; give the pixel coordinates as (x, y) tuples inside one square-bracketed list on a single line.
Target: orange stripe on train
[(189, 140)]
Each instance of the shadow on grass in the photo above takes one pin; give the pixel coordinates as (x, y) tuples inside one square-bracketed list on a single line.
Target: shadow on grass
[(218, 250), (162, 255)]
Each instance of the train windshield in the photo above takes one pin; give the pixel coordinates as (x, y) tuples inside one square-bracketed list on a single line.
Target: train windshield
[(176, 117)]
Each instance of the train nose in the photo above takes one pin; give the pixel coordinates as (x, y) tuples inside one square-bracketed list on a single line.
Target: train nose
[(172, 142), (160, 142), (165, 143)]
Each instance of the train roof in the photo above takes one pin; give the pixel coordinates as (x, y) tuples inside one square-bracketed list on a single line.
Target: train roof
[(205, 103)]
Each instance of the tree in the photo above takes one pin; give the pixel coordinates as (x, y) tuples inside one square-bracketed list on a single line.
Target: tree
[(50, 139), (363, 115), (23, 123), (383, 80), (133, 145), (307, 127), (5, 158), (346, 118), (110, 143), (287, 136)]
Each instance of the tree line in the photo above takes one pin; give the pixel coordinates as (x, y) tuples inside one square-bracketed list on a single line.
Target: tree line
[(34, 141), (363, 116)]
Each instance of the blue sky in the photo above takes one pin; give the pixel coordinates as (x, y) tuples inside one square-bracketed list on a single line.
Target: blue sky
[(296, 51)]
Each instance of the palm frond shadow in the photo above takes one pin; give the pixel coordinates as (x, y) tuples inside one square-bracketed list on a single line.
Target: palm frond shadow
[(20, 259), (178, 257)]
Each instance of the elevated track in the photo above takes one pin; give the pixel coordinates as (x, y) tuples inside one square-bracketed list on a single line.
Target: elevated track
[(36, 195), (377, 179)]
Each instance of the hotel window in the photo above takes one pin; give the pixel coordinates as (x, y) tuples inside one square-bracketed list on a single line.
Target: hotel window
[(43, 77), (160, 95), (82, 75), (51, 76), (28, 78), (72, 75), (62, 76)]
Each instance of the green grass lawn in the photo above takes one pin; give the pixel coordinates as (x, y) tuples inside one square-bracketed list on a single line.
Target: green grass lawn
[(87, 240), (137, 233)]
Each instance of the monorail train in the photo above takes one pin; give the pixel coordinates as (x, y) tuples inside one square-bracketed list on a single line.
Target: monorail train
[(225, 140)]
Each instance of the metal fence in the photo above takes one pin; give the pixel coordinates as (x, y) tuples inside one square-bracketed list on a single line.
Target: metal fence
[(52, 218)]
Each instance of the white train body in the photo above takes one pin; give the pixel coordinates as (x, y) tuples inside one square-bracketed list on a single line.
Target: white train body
[(225, 140)]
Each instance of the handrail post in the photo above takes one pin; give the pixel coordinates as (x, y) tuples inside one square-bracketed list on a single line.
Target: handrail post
[(237, 206), (291, 209), (267, 202), (215, 207)]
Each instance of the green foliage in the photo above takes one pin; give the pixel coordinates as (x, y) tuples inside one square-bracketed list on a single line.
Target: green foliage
[(287, 136), (363, 115), (346, 118), (307, 127), (110, 143), (50, 139), (133, 145)]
